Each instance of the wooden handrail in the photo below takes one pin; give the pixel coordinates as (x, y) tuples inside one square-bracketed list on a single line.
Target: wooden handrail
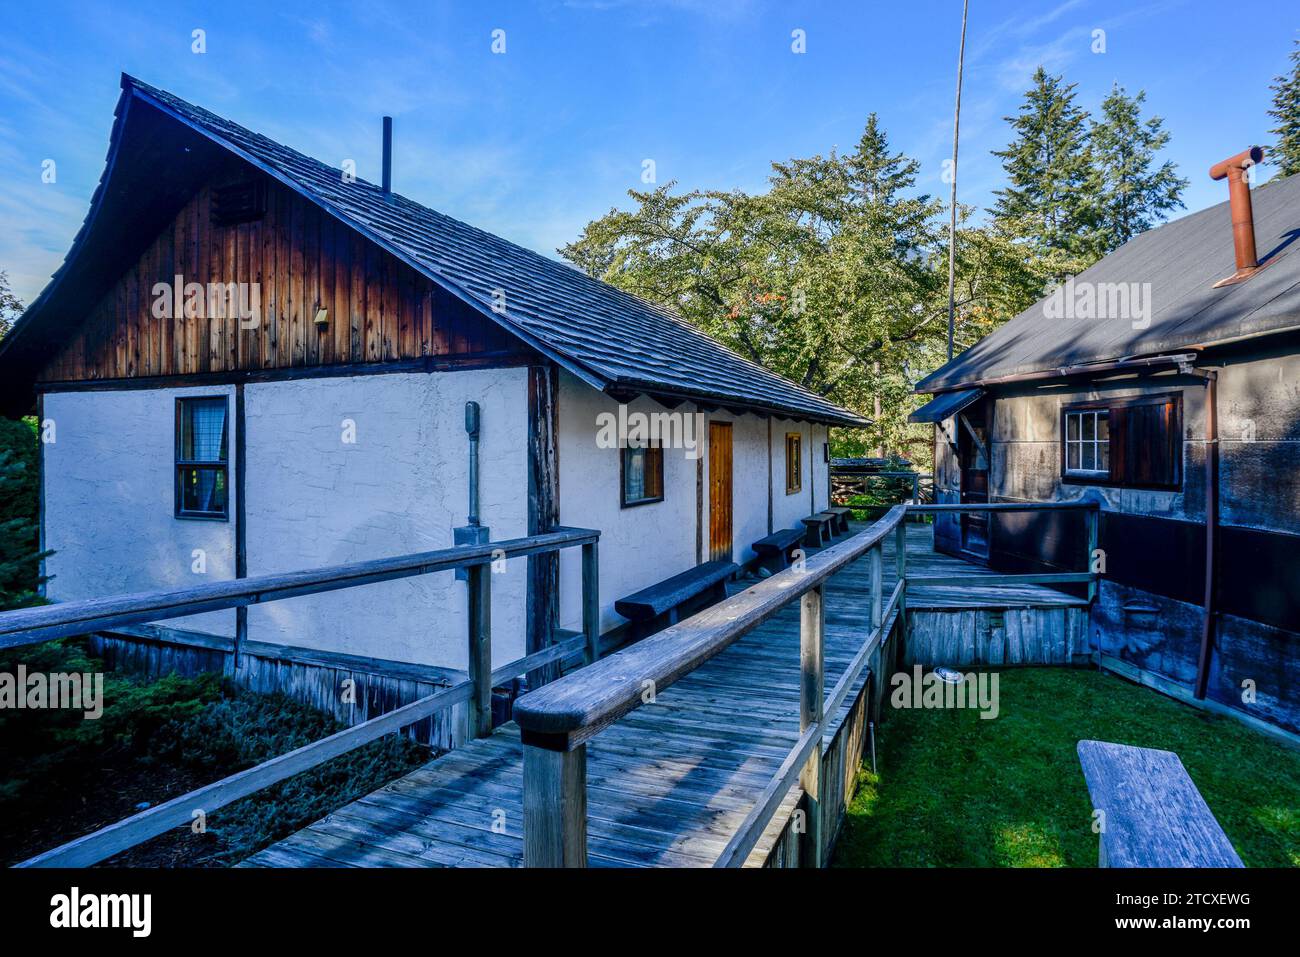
[(30, 625), (556, 721), (1005, 507), (46, 622), (567, 712), (128, 832)]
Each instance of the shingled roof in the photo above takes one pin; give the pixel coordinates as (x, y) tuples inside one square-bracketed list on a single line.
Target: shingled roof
[(609, 338), (1182, 261)]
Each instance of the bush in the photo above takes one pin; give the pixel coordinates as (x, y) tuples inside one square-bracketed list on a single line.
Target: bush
[(162, 737), (49, 748), (19, 513)]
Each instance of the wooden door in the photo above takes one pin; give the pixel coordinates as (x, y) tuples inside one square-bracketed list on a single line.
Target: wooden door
[(973, 459), (720, 490)]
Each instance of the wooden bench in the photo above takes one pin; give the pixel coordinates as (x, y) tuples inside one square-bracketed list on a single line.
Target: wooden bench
[(821, 529), (842, 515), (774, 551), (665, 600), (1151, 813)]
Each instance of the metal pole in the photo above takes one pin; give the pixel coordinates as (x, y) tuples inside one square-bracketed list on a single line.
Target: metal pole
[(471, 426), (952, 214)]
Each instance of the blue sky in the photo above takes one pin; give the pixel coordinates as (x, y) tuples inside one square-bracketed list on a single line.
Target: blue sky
[(533, 143)]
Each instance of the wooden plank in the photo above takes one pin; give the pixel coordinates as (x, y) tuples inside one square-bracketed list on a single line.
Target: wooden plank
[(577, 706), (31, 625), (1152, 813), (989, 581), (479, 597)]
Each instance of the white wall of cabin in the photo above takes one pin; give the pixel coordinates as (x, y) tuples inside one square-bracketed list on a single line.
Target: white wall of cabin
[(314, 500), (645, 544), (639, 545), (109, 498)]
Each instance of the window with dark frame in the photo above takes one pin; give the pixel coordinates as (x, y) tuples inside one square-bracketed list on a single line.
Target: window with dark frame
[(202, 459), (1131, 442), (793, 462), (643, 475), (1087, 443)]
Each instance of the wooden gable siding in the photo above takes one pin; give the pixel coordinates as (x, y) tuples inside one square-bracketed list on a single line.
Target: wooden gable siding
[(380, 310)]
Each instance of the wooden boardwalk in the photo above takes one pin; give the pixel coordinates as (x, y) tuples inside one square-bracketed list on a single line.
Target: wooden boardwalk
[(668, 784)]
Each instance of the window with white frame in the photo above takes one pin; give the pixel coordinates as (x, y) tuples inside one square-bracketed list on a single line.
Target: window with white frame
[(1087, 442)]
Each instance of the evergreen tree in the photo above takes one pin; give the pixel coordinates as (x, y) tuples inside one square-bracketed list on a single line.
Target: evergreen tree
[(19, 556), (1136, 193), (10, 305), (835, 276), (1286, 110), (1052, 200)]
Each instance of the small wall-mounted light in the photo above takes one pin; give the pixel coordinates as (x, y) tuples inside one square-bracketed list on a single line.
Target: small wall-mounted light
[(322, 317)]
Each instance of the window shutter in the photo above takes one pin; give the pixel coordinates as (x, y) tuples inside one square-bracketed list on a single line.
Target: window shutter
[(1146, 443)]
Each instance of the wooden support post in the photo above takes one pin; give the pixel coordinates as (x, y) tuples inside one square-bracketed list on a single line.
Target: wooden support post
[(591, 600), (555, 807), (900, 564), (812, 636), (875, 571), (542, 601), (479, 595), (1094, 520), (241, 525)]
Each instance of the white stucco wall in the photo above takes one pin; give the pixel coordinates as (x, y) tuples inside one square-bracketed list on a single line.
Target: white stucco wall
[(788, 509), (110, 497), (648, 543), (315, 500), (638, 546)]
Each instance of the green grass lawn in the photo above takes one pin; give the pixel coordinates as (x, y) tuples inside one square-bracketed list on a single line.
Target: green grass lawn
[(954, 790)]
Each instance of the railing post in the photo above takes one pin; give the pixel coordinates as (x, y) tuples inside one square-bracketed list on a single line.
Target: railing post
[(875, 566), (900, 564), (812, 632), (591, 600), (555, 807), (479, 594), (1094, 517)]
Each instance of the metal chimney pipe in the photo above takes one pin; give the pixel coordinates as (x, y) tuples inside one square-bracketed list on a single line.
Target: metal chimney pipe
[(388, 154), (1243, 219), (472, 429)]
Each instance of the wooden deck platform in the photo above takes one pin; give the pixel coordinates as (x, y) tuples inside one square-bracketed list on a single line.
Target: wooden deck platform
[(668, 784), (922, 559)]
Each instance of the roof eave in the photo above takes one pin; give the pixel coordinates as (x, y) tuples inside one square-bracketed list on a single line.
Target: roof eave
[(843, 418)]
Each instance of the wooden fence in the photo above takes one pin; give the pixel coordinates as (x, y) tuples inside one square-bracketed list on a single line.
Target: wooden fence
[(32, 625), (558, 719)]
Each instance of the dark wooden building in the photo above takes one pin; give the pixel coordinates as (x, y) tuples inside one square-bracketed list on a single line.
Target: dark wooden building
[(1164, 381)]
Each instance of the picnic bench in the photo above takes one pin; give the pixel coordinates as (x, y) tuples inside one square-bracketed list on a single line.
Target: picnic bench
[(821, 528), (1151, 813), (842, 515), (666, 600), (775, 552)]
